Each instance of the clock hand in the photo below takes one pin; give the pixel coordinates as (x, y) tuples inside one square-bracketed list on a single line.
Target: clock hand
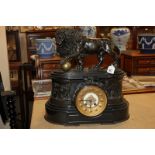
[(85, 100)]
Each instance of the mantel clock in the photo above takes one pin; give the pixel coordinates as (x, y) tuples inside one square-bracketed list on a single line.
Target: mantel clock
[(86, 95)]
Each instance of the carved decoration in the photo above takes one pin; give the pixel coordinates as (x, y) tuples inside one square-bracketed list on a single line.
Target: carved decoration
[(61, 91)]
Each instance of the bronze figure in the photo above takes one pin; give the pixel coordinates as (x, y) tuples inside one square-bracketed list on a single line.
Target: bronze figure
[(72, 45)]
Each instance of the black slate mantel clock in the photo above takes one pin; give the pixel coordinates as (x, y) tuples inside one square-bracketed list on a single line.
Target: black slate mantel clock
[(85, 95)]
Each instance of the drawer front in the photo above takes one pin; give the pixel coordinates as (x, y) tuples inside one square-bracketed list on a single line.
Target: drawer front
[(146, 61), (50, 66), (146, 71)]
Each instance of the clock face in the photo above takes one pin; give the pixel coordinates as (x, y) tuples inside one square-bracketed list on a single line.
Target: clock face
[(91, 100)]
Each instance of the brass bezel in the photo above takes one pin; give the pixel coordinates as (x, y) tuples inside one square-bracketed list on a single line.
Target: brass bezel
[(91, 111)]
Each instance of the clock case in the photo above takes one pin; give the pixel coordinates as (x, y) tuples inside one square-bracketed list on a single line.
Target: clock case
[(61, 107)]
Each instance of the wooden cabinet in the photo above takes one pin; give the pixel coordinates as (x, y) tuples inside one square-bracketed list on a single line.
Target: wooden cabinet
[(14, 74), (46, 66), (135, 63)]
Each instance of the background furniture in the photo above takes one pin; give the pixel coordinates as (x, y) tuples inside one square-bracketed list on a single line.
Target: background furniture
[(13, 45), (135, 63), (8, 108), (26, 74), (14, 55), (14, 75), (44, 67)]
